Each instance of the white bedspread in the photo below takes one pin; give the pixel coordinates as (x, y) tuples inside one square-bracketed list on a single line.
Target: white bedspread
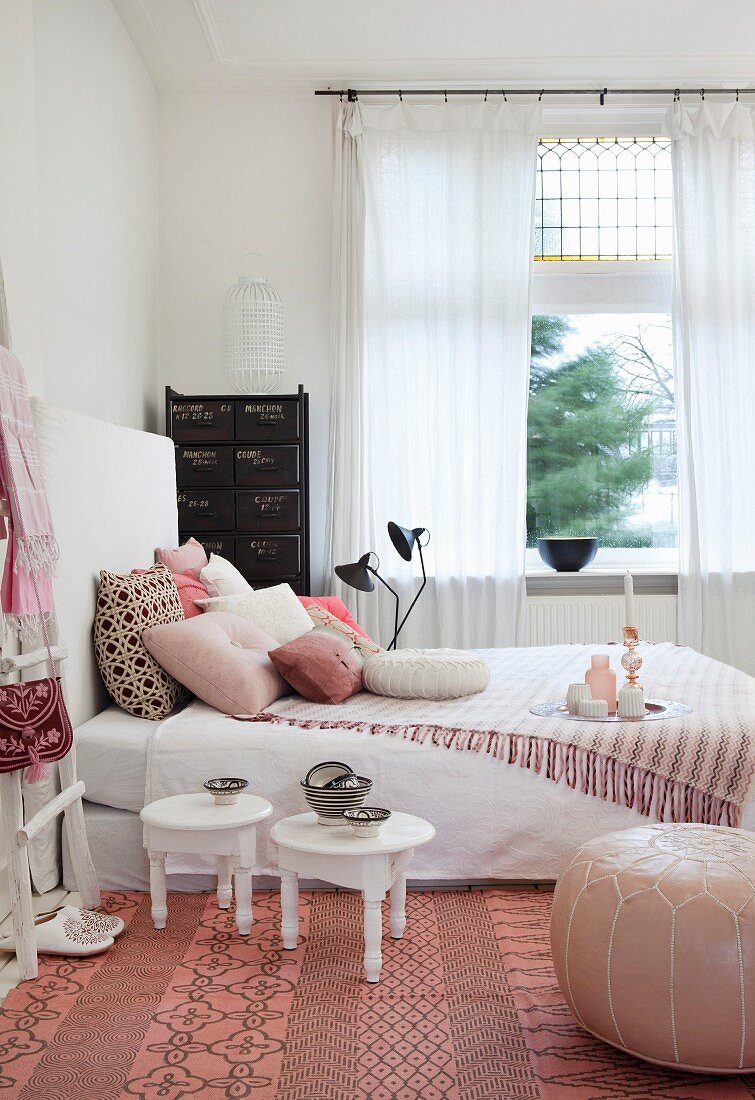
[(493, 820)]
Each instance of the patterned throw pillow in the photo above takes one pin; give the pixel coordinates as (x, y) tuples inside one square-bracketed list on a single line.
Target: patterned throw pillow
[(322, 618), (126, 604)]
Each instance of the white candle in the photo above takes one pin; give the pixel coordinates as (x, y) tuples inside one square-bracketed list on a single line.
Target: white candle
[(629, 619)]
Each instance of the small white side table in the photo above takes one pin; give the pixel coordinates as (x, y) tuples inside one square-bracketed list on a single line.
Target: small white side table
[(373, 865), (194, 824)]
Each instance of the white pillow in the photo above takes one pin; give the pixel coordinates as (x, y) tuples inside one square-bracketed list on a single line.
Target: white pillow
[(275, 610), (220, 578)]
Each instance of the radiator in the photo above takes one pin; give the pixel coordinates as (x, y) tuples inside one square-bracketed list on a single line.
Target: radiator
[(554, 620)]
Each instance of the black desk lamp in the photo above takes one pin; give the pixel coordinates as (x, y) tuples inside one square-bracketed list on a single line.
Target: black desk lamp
[(357, 575), (405, 539)]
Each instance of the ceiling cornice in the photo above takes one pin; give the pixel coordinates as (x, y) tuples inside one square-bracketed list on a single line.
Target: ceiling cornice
[(210, 30)]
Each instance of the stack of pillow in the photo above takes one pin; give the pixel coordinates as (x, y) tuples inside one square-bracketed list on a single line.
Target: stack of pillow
[(189, 623)]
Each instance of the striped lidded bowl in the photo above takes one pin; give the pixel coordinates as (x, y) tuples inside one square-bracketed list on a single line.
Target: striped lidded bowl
[(330, 802)]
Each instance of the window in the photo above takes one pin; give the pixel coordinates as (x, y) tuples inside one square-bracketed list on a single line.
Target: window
[(603, 199), (601, 428)]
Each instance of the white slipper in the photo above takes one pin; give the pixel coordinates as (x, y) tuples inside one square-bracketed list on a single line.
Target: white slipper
[(60, 933), (102, 924)]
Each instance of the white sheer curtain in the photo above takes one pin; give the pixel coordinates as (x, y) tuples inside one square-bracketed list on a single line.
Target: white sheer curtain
[(714, 351), (433, 231)]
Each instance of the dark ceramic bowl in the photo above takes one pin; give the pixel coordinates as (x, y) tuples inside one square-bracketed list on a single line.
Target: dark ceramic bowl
[(567, 555), (226, 791)]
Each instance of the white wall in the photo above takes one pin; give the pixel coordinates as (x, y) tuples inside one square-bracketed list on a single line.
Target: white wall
[(97, 163), (78, 207), (19, 242), (246, 171)]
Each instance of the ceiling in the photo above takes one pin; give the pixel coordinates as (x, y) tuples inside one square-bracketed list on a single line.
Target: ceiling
[(243, 43)]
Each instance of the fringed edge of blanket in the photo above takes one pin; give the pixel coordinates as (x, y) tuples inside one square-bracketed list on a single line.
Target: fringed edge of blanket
[(37, 554), (25, 627), (581, 769)]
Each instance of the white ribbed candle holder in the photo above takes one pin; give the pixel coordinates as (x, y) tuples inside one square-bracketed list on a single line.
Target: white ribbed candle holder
[(631, 701), (575, 693), (593, 708)]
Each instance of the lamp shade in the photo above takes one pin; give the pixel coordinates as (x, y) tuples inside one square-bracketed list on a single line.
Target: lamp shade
[(404, 538), (253, 335), (357, 574)]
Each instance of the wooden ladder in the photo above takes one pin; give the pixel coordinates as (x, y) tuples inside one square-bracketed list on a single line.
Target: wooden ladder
[(19, 834)]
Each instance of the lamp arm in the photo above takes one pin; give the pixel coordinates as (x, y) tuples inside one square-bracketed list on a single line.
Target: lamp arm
[(419, 593), (395, 596)]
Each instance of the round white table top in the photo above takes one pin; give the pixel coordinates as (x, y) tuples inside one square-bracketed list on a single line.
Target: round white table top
[(303, 834), (198, 812)]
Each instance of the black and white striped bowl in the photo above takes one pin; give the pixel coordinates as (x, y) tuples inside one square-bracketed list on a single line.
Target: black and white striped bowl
[(329, 803)]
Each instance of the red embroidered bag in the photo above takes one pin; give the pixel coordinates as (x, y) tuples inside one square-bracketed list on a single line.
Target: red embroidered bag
[(35, 727)]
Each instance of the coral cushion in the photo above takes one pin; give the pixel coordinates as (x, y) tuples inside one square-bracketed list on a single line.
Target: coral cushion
[(189, 590), (320, 667), (220, 658), (336, 607), (187, 559)]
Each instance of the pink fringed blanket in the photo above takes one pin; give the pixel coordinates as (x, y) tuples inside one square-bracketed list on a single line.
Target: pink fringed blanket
[(32, 547), (695, 768)]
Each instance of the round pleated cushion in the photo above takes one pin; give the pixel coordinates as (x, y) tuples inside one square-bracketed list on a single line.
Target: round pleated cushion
[(653, 940), (425, 674)]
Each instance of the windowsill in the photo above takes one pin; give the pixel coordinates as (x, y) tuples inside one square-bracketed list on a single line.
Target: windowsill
[(651, 579), (655, 572)]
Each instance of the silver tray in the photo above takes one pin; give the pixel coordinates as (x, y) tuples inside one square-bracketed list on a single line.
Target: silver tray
[(655, 710)]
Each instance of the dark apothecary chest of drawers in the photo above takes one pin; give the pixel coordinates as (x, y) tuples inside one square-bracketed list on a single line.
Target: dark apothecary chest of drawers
[(242, 472)]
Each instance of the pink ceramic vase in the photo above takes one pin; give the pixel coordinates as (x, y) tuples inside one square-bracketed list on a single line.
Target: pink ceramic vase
[(602, 681)]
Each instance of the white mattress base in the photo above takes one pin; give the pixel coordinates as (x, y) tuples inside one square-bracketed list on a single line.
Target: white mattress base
[(495, 822)]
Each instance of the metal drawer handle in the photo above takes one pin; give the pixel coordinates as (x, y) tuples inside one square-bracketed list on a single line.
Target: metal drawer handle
[(267, 555), (262, 466)]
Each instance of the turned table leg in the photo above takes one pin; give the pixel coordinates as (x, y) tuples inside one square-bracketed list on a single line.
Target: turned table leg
[(225, 888), (289, 909), (242, 881), (158, 889), (373, 934), (398, 907)]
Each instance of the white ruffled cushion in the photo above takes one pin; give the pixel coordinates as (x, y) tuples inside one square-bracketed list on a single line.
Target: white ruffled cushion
[(426, 674), (275, 610)]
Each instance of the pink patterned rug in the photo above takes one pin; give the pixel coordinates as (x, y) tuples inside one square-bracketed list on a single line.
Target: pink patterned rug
[(467, 1008)]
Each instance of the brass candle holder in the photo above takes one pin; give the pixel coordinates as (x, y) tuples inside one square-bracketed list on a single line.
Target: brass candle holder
[(631, 661)]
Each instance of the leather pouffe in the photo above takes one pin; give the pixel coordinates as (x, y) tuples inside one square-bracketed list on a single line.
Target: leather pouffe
[(653, 940)]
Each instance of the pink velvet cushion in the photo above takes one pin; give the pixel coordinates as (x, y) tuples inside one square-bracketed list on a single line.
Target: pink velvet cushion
[(336, 607), (221, 658), (189, 558), (320, 667)]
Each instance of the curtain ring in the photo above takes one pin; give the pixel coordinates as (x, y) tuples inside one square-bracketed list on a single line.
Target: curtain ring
[(737, 100), (702, 94), (541, 95), (486, 96), (445, 96), (505, 97), (340, 96), (400, 96), (677, 94)]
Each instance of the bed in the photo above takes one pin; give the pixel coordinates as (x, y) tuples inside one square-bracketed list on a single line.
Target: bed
[(494, 820)]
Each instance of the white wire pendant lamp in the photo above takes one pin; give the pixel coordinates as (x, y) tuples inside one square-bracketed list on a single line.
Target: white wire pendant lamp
[(253, 334)]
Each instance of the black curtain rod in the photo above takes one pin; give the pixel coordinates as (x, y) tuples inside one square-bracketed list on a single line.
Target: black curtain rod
[(354, 93)]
